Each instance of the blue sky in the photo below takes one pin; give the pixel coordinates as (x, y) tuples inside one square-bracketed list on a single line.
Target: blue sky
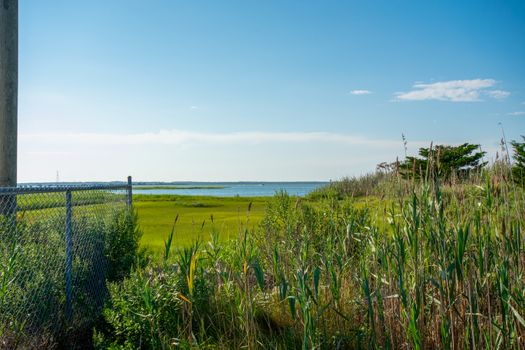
[(260, 90)]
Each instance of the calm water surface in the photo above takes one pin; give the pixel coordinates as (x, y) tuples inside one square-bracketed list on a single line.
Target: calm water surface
[(242, 189)]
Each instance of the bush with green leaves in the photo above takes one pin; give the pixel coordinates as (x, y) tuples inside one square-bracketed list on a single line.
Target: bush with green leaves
[(121, 248), (518, 169), (357, 186), (445, 161), (156, 306), (32, 272)]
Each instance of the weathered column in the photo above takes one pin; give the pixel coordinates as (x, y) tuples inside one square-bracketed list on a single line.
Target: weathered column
[(8, 91), (8, 101)]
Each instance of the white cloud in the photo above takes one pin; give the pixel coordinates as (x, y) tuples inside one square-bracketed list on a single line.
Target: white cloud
[(360, 92), (170, 155), (202, 156), (48, 153), (453, 90), (517, 113), (193, 107), (181, 137), (498, 94)]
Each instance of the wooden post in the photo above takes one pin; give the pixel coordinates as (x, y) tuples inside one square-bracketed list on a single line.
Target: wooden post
[(8, 91), (8, 100)]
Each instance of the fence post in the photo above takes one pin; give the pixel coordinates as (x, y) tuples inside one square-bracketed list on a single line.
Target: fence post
[(130, 192), (69, 257)]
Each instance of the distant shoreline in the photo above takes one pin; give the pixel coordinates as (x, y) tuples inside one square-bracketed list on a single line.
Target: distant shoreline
[(177, 187), (231, 189), (171, 183)]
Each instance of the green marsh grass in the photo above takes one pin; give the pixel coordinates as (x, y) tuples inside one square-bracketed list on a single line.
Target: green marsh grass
[(416, 265), (157, 212)]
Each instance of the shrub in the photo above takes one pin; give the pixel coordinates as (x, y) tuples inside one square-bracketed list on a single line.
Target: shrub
[(32, 272), (444, 161), (518, 170), (122, 237), (157, 306), (356, 186)]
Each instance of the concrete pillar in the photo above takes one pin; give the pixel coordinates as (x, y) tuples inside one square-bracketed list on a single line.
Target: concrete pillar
[(8, 91)]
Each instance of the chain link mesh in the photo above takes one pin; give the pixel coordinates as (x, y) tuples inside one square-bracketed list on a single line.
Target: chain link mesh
[(52, 259)]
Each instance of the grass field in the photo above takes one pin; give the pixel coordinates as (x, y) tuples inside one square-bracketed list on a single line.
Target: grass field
[(157, 214)]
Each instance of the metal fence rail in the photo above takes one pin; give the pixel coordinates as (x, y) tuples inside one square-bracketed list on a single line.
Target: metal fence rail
[(53, 264)]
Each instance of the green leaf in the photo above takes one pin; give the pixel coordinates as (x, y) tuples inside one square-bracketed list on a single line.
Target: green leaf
[(259, 274)]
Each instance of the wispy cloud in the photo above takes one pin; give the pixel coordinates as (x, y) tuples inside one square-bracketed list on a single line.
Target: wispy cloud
[(517, 113), (498, 94), (453, 90), (48, 153), (360, 92), (179, 137)]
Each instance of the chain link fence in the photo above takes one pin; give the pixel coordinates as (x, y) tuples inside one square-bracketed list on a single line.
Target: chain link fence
[(53, 258)]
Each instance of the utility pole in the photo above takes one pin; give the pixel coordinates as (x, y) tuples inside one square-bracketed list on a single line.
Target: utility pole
[(8, 97)]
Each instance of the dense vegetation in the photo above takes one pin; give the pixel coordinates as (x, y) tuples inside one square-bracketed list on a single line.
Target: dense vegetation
[(518, 170), (417, 263), (384, 261), (32, 273), (448, 161)]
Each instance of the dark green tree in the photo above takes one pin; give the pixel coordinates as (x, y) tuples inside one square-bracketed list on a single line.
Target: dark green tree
[(444, 161), (518, 169)]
